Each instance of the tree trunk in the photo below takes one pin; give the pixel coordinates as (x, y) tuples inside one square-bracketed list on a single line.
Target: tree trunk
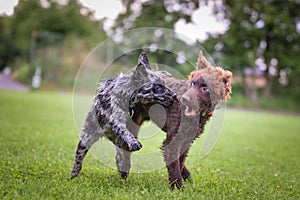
[(251, 89), (268, 89)]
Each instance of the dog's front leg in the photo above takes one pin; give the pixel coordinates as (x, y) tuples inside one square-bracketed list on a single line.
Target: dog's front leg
[(123, 138), (123, 162), (174, 175), (123, 157), (172, 145), (171, 158), (186, 175)]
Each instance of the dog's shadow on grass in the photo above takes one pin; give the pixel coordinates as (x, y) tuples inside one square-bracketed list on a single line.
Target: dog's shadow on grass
[(110, 179)]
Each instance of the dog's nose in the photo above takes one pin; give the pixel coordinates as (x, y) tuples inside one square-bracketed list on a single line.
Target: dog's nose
[(185, 99)]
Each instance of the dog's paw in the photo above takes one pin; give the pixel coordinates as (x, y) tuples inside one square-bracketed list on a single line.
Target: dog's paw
[(124, 175), (177, 183), (73, 175), (135, 146), (188, 179), (186, 175), (76, 170)]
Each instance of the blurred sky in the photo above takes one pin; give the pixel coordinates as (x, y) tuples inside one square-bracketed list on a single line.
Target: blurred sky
[(202, 19), (7, 6)]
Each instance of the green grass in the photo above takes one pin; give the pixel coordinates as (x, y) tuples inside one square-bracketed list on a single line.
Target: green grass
[(257, 157)]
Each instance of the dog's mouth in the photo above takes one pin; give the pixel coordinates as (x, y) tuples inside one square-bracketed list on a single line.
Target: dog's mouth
[(190, 111)]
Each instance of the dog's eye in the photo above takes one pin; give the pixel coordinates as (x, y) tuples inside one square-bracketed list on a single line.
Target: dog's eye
[(192, 83), (158, 89), (205, 89)]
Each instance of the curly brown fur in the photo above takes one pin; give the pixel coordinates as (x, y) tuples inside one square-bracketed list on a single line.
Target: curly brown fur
[(198, 96), (207, 86)]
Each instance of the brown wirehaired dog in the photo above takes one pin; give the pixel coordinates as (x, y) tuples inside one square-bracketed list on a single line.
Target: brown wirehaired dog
[(206, 87)]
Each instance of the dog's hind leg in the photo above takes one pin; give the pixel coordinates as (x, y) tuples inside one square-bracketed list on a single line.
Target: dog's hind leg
[(85, 143), (91, 132)]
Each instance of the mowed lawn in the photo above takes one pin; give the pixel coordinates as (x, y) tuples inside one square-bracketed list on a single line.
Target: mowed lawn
[(257, 157)]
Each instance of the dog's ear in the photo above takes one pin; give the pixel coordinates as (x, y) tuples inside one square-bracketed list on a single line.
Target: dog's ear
[(227, 82), (143, 60), (142, 66), (202, 62), (193, 75)]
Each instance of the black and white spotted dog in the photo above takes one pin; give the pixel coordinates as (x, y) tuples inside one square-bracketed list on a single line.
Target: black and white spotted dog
[(109, 116)]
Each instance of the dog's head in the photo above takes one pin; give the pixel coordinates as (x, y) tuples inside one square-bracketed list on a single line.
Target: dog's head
[(152, 93), (208, 86)]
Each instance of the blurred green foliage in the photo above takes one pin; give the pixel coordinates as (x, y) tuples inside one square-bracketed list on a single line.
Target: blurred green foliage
[(261, 30), (265, 31), (31, 17), (23, 73), (35, 22)]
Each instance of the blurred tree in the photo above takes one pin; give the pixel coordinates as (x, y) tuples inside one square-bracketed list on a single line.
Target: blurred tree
[(33, 16), (155, 13), (161, 14), (263, 35), (8, 50)]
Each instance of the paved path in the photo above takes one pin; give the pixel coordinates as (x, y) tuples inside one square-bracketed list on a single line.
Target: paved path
[(7, 83)]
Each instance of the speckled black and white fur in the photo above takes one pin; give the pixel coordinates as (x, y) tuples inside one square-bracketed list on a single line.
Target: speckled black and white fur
[(109, 115)]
